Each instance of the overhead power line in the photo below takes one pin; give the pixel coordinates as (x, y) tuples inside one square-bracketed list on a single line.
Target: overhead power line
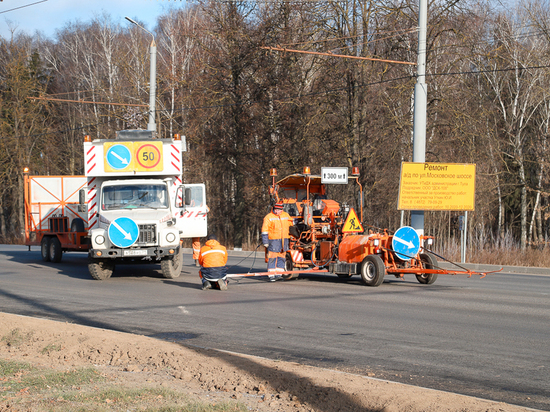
[(20, 7), (87, 102), (345, 56), (307, 94)]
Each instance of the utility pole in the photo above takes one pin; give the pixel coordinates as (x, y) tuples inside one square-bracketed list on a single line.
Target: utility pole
[(152, 79), (420, 105)]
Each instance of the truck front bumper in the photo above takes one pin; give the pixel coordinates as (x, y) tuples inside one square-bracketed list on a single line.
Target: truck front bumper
[(153, 252)]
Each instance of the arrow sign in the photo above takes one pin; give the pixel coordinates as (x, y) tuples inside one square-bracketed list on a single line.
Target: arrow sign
[(123, 232), (122, 159), (127, 235), (118, 157), (406, 243)]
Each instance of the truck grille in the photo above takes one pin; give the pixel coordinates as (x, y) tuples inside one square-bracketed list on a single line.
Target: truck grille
[(147, 234)]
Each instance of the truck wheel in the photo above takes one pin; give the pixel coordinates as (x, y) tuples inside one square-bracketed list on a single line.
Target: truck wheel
[(45, 249), (289, 265), (55, 250), (373, 270), (429, 262), (101, 269), (171, 267)]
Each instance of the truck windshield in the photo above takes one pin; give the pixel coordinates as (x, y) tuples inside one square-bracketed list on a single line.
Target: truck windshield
[(143, 196)]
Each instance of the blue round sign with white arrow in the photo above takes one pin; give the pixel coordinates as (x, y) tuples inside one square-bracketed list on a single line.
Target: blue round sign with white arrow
[(118, 157), (406, 243), (123, 232)]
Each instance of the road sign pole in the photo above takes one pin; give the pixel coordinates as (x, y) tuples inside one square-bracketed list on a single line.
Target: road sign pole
[(420, 104), (464, 238)]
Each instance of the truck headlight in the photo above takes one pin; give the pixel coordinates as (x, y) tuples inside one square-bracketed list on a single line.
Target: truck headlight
[(376, 242), (171, 237), (100, 239)]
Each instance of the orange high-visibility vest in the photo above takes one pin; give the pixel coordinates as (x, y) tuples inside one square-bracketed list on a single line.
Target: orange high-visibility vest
[(275, 226), (213, 254)]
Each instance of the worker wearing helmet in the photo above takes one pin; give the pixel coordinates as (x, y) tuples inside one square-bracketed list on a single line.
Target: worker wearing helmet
[(275, 238), (213, 259)]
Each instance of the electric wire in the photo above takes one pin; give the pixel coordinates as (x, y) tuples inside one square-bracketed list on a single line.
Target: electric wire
[(321, 92)]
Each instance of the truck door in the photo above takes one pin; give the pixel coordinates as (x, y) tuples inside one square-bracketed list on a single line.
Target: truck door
[(192, 219)]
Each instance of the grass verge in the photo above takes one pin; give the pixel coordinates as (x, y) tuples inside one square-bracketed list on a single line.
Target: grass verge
[(24, 387)]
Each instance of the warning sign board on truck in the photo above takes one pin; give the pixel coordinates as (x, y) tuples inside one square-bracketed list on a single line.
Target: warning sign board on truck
[(437, 186)]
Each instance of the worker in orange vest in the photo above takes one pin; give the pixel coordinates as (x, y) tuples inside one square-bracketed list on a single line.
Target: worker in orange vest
[(213, 259), (275, 238)]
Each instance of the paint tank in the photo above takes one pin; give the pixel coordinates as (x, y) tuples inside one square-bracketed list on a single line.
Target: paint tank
[(353, 249)]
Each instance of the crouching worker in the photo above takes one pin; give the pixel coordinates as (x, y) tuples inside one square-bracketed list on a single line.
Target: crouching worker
[(213, 259)]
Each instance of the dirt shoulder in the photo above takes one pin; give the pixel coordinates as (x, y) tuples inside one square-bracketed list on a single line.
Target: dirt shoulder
[(214, 376)]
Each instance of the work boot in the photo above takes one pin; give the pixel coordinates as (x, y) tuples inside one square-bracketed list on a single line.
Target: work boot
[(206, 285), (222, 284), (273, 278)]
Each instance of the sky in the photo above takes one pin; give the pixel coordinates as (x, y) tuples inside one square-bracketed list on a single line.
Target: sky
[(47, 16)]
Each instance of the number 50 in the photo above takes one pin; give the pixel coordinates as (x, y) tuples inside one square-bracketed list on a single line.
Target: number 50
[(148, 156)]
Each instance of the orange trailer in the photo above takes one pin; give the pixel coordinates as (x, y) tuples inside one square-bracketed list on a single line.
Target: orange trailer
[(54, 217), (328, 236)]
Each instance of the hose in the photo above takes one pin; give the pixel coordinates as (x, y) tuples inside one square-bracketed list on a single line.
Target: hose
[(246, 257)]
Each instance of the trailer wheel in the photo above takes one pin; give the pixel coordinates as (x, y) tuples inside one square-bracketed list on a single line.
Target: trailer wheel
[(289, 265), (55, 250), (77, 225), (171, 267), (373, 270), (101, 269), (45, 248), (429, 262)]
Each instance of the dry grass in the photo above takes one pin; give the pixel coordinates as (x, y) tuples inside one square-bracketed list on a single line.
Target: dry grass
[(504, 252)]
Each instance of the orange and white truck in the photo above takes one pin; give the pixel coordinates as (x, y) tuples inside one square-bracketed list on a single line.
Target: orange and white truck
[(130, 207)]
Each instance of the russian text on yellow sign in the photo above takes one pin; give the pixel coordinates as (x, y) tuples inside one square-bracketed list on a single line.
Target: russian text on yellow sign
[(352, 223), (144, 157), (437, 186)]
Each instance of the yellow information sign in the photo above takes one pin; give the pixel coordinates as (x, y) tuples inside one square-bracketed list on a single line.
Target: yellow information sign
[(133, 157), (437, 186), (352, 223)]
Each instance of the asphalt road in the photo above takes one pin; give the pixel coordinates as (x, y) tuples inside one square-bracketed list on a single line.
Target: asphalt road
[(488, 337)]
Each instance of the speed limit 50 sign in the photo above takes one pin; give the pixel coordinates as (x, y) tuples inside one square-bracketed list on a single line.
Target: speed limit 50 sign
[(148, 156)]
